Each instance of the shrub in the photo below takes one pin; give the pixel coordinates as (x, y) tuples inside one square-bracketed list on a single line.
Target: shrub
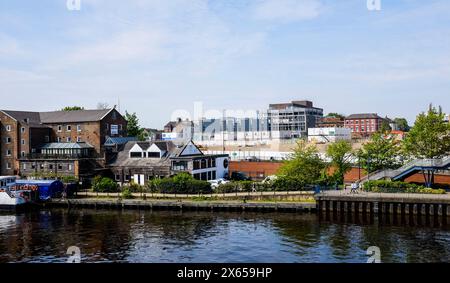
[(180, 184), (126, 193), (285, 183), (383, 186), (103, 185)]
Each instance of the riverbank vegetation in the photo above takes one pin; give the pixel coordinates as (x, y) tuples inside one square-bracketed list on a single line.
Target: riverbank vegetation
[(383, 186)]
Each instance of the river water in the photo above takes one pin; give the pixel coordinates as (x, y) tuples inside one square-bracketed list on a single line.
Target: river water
[(155, 237)]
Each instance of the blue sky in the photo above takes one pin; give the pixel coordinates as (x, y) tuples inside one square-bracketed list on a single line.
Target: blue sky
[(157, 56)]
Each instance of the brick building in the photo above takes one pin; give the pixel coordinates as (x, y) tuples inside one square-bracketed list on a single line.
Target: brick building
[(330, 122), (364, 125), (68, 143)]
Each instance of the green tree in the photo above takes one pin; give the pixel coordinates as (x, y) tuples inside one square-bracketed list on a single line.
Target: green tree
[(72, 108), (380, 153), (305, 166), (133, 127), (430, 136), (402, 124), (385, 127), (336, 115), (340, 154)]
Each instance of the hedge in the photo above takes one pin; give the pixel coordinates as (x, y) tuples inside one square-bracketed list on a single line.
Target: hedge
[(383, 186)]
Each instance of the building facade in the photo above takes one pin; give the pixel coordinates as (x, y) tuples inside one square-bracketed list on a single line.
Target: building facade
[(143, 161), (364, 125), (292, 120), (327, 135), (58, 143)]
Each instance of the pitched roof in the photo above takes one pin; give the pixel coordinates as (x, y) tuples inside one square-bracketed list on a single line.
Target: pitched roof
[(364, 116), (73, 116), (37, 118), (21, 116), (119, 140), (66, 145)]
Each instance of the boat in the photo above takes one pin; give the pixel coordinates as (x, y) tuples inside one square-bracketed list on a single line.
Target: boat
[(12, 196)]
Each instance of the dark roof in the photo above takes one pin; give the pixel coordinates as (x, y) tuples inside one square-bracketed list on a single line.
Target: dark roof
[(123, 159), (21, 116), (38, 118), (73, 116), (364, 116)]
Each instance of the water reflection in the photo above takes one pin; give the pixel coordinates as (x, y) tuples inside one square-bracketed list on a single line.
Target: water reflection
[(133, 236)]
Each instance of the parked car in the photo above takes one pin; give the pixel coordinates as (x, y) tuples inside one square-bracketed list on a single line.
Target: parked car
[(216, 183), (239, 176)]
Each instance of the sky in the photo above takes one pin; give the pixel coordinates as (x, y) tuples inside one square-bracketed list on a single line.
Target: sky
[(158, 57)]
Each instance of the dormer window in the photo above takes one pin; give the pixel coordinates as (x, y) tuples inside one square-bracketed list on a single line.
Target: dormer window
[(135, 154)]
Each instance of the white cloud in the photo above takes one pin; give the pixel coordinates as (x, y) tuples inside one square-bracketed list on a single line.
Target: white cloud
[(288, 10)]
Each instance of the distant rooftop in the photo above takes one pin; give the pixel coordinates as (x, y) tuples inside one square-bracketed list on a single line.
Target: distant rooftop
[(364, 116), (39, 118)]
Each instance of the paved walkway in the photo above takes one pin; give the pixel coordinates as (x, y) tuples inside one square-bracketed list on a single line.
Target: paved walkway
[(226, 195)]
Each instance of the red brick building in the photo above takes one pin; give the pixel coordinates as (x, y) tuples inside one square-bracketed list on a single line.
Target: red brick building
[(68, 143), (364, 125)]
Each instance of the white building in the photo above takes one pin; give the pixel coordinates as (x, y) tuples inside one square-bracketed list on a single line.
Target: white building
[(326, 135)]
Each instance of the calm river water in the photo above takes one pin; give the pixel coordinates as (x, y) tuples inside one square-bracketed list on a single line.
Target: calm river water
[(150, 237)]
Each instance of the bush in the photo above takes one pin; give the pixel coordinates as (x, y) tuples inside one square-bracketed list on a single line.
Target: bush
[(103, 185), (180, 184), (383, 186), (126, 193), (285, 183)]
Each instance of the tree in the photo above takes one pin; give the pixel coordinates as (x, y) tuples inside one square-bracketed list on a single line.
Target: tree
[(133, 127), (306, 166), (429, 137), (102, 105), (402, 124), (340, 154), (380, 153), (72, 108), (336, 115), (385, 127)]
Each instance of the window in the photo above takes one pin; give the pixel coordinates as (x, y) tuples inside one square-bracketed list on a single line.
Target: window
[(69, 128), (135, 154), (127, 177), (50, 166), (24, 166), (8, 140), (117, 177), (22, 130), (8, 152), (68, 139), (41, 166), (78, 139), (78, 128), (153, 154), (22, 154), (8, 128), (60, 167), (60, 128), (107, 126), (33, 166), (22, 142), (8, 165), (58, 139), (69, 167)]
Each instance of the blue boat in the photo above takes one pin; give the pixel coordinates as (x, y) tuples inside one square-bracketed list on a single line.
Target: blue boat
[(47, 189)]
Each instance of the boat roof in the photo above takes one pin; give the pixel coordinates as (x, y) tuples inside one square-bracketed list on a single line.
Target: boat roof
[(37, 182)]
